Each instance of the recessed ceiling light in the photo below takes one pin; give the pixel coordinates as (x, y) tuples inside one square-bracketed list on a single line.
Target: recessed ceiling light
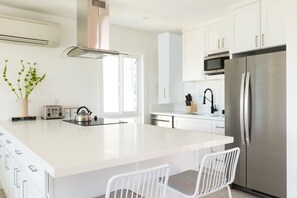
[(145, 17)]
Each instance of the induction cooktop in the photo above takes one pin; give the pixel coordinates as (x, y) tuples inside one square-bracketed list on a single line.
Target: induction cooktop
[(96, 121)]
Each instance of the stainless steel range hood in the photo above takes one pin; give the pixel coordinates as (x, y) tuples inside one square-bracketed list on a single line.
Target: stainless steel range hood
[(92, 30)]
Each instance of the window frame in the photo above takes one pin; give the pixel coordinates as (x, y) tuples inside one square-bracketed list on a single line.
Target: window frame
[(121, 114)]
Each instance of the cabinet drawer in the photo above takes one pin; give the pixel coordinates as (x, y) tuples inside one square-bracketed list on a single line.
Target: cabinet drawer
[(218, 127), (200, 125), (2, 136), (19, 154), (35, 172), (8, 142)]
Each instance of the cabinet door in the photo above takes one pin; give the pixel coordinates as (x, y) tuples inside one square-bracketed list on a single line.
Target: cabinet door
[(170, 68), (15, 180), (28, 190), (218, 127), (245, 28), (272, 23), (193, 55), (197, 125), (216, 37), (163, 68), (7, 174), (1, 164)]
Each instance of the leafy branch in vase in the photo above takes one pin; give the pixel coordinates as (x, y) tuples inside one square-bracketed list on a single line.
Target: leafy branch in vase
[(26, 82)]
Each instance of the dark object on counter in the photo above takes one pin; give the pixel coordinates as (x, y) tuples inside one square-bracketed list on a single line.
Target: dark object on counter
[(188, 99), (96, 122), (213, 109), (82, 115), (223, 111), (28, 118)]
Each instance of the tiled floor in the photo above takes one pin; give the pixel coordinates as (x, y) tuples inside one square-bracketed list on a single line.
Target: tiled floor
[(220, 194)]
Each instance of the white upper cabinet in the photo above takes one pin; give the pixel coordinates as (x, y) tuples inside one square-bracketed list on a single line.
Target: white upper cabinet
[(193, 54), (216, 37), (245, 28), (170, 85), (273, 23), (258, 24)]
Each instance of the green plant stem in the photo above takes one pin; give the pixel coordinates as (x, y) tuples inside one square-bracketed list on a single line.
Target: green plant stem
[(19, 84)]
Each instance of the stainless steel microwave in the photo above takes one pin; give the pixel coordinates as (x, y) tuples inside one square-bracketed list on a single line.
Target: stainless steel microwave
[(215, 64)]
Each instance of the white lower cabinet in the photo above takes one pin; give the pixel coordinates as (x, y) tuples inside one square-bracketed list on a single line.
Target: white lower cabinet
[(192, 124), (202, 125), (218, 127), (16, 180)]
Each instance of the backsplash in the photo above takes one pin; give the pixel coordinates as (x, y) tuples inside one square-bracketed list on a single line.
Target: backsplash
[(196, 89)]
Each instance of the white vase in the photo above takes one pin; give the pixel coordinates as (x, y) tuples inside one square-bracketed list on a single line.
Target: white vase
[(23, 107)]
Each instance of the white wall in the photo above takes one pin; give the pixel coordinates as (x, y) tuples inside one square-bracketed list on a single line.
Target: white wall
[(68, 81), (71, 81), (291, 98)]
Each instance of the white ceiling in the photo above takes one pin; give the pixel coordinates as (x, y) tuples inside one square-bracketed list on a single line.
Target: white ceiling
[(151, 15)]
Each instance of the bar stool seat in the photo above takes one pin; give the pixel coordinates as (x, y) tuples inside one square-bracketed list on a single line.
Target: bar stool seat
[(216, 172), (139, 184)]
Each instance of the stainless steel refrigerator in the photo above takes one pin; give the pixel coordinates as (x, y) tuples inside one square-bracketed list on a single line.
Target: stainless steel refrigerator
[(255, 115)]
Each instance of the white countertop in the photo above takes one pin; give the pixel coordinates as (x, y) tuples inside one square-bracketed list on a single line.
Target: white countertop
[(207, 116), (66, 149)]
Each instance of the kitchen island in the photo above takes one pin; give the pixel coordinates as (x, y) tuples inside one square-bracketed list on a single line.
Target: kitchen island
[(65, 160)]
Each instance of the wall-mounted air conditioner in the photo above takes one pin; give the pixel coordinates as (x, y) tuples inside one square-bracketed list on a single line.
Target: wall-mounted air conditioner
[(31, 32)]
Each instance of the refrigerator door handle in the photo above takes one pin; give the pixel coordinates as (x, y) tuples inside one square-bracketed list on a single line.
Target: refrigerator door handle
[(246, 108), (241, 109)]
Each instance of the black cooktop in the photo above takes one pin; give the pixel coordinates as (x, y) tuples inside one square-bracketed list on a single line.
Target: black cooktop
[(97, 121)]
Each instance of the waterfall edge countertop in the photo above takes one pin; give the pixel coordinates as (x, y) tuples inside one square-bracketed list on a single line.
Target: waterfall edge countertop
[(65, 149)]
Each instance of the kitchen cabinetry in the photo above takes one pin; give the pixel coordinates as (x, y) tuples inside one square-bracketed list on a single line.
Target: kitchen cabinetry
[(273, 23), (14, 168), (163, 121), (218, 127), (170, 89), (216, 37), (203, 125), (192, 124), (259, 24), (193, 54)]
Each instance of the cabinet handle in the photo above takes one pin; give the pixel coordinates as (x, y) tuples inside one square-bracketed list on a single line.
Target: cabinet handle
[(223, 43), (8, 141), (14, 176), (6, 162), (164, 92), (24, 188), (219, 43), (262, 39), (18, 178), (32, 168), (1, 134), (219, 127), (18, 152), (256, 40), (16, 173)]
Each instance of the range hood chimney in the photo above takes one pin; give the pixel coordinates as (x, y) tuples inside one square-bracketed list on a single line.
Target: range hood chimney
[(92, 30)]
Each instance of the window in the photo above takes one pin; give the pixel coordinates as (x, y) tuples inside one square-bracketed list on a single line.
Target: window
[(120, 84)]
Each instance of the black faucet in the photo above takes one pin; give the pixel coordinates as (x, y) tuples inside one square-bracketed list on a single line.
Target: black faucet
[(213, 109)]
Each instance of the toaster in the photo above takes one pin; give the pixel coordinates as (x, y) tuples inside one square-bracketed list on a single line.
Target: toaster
[(52, 112)]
